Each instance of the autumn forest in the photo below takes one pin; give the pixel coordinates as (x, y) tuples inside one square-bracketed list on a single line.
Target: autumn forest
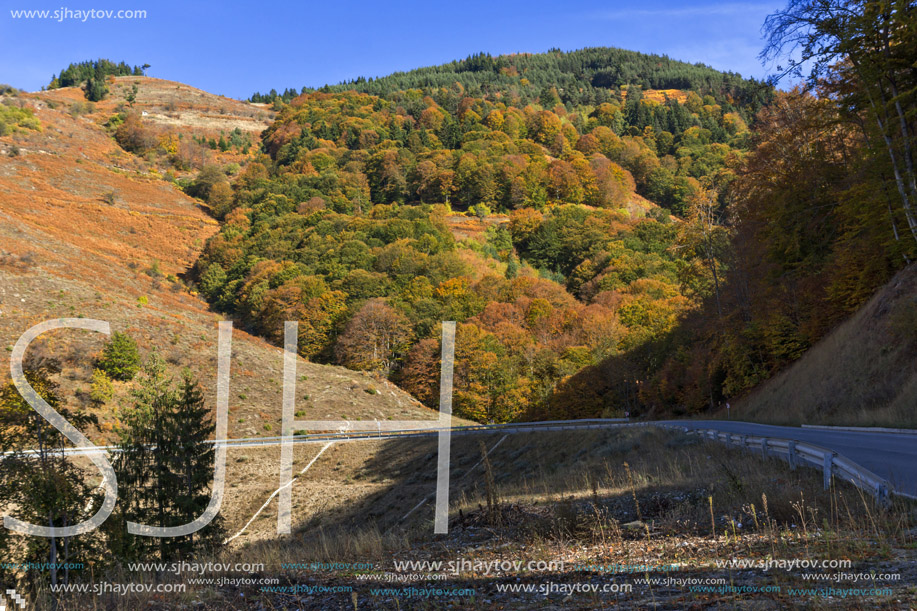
[(612, 231)]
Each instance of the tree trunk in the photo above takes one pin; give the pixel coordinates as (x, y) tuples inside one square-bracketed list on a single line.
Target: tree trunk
[(889, 145)]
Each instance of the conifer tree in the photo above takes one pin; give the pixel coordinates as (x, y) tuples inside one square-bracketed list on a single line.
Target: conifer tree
[(165, 465), (96, 87), (120, 359)]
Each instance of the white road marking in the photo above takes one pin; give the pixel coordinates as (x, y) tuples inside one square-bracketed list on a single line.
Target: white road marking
[(276, 492)]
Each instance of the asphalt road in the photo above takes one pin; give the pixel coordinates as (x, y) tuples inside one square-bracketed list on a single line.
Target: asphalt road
[(889, 455), (892, 456)]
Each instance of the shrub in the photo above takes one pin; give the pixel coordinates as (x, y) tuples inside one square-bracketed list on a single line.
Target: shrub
[(120, 359), (15, 118), (206, 179), (480, 210), (101, 391), (115, 121), (134, 136), (154, 271), (80, 108)]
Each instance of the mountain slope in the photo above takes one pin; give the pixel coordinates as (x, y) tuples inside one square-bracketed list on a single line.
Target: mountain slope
[(346, 226), (863, 373), (173, 104), (88, 230), (584, 76)]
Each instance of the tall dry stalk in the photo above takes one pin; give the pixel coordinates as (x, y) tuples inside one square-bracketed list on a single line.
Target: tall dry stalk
[(493, 501)]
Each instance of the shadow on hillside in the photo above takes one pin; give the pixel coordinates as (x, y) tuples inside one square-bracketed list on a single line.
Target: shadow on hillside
[(550, 483)]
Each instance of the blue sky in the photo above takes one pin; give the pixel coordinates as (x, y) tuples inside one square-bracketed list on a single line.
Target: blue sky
[(235, 48)]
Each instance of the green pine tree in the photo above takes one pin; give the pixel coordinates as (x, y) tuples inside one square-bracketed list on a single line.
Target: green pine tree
[(189, 427), (512, 267), (96, 87), (165, 465), (120, 359)]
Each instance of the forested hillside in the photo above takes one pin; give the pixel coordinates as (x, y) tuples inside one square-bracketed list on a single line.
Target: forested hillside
[(613, 234), (820, 215), (586, 76), (664, 249), (342, 225)]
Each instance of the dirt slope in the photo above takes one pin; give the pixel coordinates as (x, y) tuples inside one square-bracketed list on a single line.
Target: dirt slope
[(174, 105)]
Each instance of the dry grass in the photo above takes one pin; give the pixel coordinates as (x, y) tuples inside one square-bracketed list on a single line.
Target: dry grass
[(472, 227), (175, 105), (625, 497)]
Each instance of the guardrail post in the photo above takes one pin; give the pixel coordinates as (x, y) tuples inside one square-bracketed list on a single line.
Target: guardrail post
[(791, 454), (829, 463), (764, 447), (745, 441), (882, 495)]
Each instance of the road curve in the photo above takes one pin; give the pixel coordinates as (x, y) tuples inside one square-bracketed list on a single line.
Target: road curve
[(889, 455), (892, 456)]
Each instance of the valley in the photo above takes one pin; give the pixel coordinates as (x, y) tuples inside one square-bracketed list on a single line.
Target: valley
[(628, 246)]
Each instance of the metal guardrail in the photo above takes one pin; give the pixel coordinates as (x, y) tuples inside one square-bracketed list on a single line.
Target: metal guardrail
[(795, 453)]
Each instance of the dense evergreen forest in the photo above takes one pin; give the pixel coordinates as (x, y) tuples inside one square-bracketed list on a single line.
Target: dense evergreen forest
[(669, 236), (586, 76)]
